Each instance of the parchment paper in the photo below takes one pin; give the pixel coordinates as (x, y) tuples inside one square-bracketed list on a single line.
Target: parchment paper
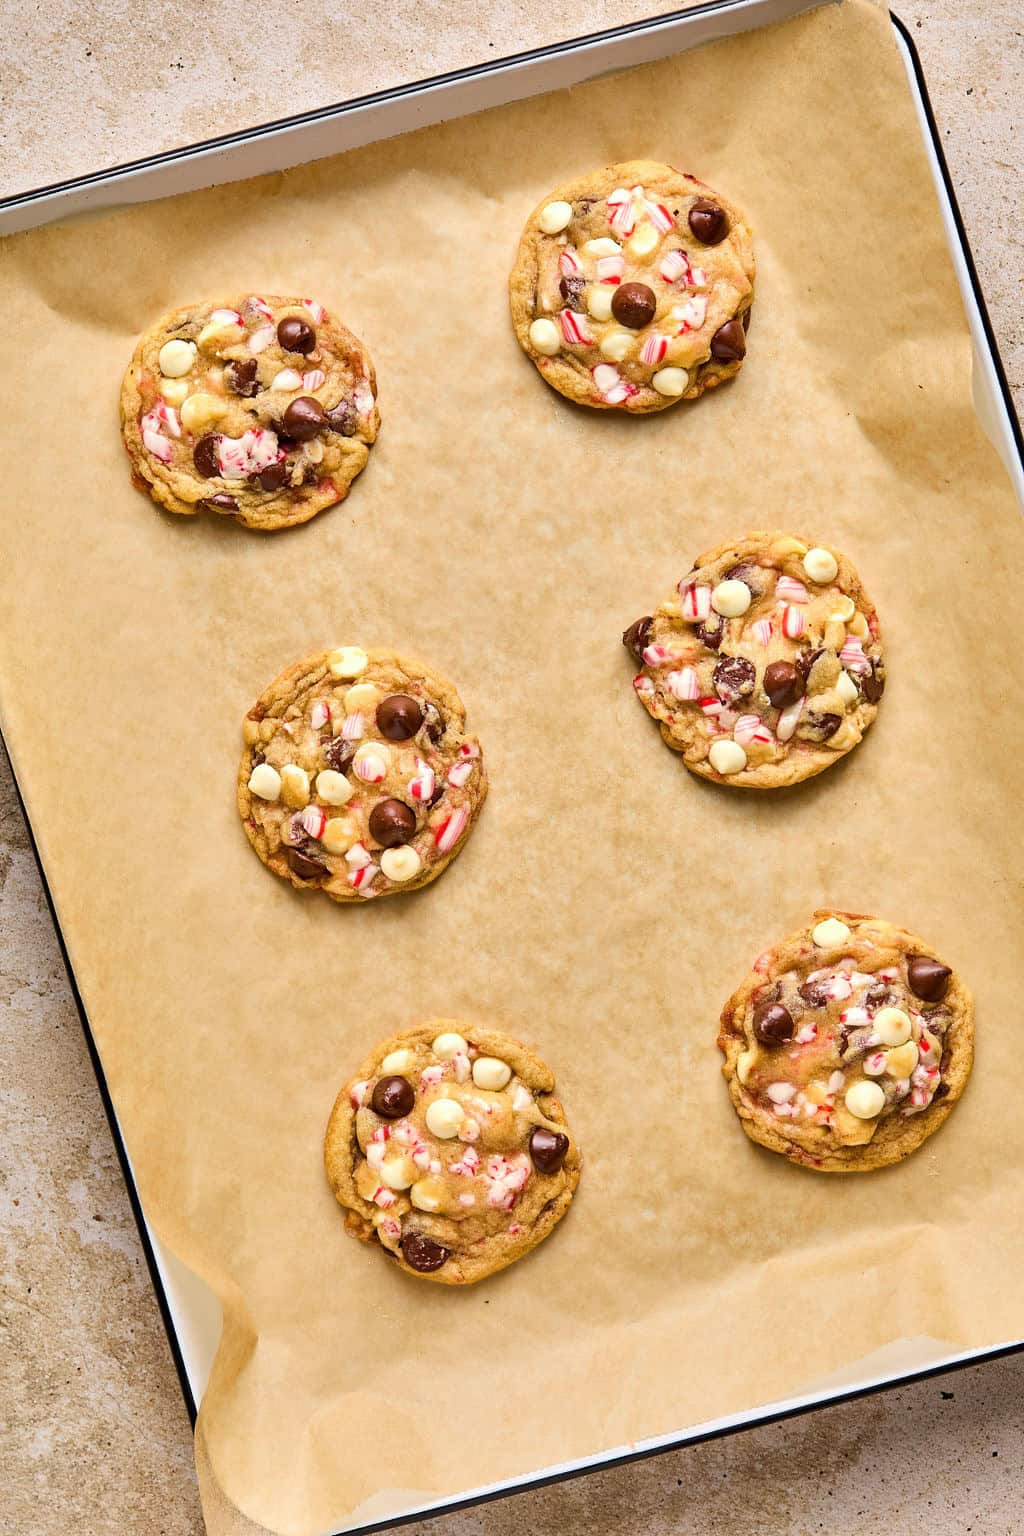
[(607, 903)]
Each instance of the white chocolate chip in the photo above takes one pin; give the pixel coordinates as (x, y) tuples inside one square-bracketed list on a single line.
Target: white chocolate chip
[(744, 1063), (347, 661), (830, 931), (787, 546), (333, 788), (426, 1195), (200, 411), (545, 337), (295, 786), (553, 217), (616, 346), (361, 699), (671, 381), (844, 610), (397, 1172), (396, 1063), (865, 1100), (892, 1026), (599, 301), (821, 565), (176, 358), (902, 1060), (339, 834), (400, 864), (847, 688), (174, 391), (223, 333), (727, 757), (371, 749), (444, 1118), (603, 246), (644, 241), (448, 1045), (489, 1072), (265, 782), (731, 598)]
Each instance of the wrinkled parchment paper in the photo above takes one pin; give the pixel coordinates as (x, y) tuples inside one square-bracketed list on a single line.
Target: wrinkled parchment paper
[(607, 903)]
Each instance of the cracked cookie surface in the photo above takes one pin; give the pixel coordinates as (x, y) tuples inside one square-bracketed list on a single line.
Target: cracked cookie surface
[(450, 1150), (632, 288), (357, 777), (847, 1045), (767, 665), (262, 409)]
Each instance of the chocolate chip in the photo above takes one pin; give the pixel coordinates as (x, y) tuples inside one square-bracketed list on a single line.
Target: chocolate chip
[(708, 221), (220, 503), (294, 833), (636, 637), (880, 996), (273, 477), (940, 1092), (341, 418), (872, 684), (733, 678), (437, 795), (805, 660), (339, 753), (751, 575), (928, 978), (938, 1019), (773, 1024), (746, 316), (783, 684), (573, 290), (392, 1097), (398, 717), (204, 456), (548, 1149), (304, 418), (815, 993), (296, 335), (240, 377), (302, 865), (422, 1253), (433, 723), (729, 343), (820, 727), (392, 822), (633, 304), (711, 636)]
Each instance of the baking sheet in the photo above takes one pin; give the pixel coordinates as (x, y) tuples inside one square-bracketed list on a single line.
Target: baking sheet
[(696, 1275)]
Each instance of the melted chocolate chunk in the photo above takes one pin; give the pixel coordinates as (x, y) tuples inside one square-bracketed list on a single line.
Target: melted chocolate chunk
[(820, 727), (636, 637), (339, 753), (432, 722), (392, 1097), (220, 503), (729, 343), (880, 996), (302, 865), (773, 1024), (938, 1020), (733, 678), (240, 377), (708, 221), (783, 684), (548, 1149), (273, 477), (711, 636), (392, 823), (422, 1253), (815, 993), (304, 418), (872, 684), (204, 456), (399, 717), (633, 304), (745, 317), (296, 335), (805, 660), (342, 419), (928, 978), (574, 290)]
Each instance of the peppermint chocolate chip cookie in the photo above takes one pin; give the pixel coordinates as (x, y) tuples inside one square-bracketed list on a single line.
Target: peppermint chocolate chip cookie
[(632, 288), (767, 666), (357, 777), (450, 1150), (847, 1045), (260, 409)]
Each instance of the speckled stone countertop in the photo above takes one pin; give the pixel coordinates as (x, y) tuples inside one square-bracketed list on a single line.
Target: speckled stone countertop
[(96, 1437)]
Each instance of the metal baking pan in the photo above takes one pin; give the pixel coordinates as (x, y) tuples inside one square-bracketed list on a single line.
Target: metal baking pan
[(190, 1312)]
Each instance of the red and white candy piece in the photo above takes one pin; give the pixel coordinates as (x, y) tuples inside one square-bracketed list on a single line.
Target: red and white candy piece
[(657, 656), (788, 720), (621, 213), (683, 684), (653, 350), (657, 213), (643, 684), (384, 1197), (313, 821), (792, 621), (692, 314), (459, 773), (575, 329), (358, 856), (569, 263), (288, 378), (451, 829), (422, 786), (612, 386), (261, 338), (469, 749), (239, 457), (319, 715), (371, 766), (316, 310), (852, 1017), (852, 655), (361, 879), (789, 590), (675, 265), (751, 728), (313, 379), (781, 1093), (260, 306), (695, 602), (153, 439), (352, 727), (225, 317), (763, 630), (357, 1093), (610, 269), (806, 1034)]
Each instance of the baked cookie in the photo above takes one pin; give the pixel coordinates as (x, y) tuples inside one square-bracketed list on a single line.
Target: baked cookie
[(451, 1151), (847, 1045), (767, 667), (632, 288), (357, 778), (260, 409)]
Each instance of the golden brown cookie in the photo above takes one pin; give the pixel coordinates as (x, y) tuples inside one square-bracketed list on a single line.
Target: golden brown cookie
[(357, 777), (258, 408), (632, 288), (847, 1045), (450, 1149), (766, 666)]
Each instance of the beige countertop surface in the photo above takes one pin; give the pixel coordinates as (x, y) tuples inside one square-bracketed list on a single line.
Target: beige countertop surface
[(96, 1437)]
